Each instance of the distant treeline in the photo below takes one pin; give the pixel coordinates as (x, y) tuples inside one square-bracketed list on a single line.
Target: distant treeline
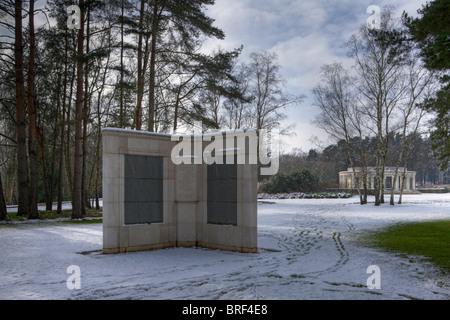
[(321, 168)]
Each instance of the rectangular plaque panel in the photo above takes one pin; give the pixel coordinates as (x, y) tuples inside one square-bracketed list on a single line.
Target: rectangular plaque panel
[(143, 189), (186, 182), (222, 194)]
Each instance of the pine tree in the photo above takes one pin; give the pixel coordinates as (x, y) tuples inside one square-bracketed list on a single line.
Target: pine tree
[(184, 21), (431, 30)]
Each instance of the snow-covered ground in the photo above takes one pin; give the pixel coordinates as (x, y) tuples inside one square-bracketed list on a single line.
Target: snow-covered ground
[(309, 249), (65, 205)]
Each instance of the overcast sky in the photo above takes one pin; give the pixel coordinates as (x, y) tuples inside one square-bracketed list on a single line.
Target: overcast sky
[(305, 34)]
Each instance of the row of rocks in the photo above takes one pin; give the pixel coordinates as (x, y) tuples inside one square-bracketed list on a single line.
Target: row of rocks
[(301, 195)]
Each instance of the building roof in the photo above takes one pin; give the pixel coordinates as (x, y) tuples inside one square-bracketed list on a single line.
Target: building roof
[(373, 169)]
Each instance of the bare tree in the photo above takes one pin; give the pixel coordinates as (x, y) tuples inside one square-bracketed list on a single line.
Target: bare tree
[(418, 83), (236, 110), (378, 57), (341, 119), (267, 87), (389, 82)]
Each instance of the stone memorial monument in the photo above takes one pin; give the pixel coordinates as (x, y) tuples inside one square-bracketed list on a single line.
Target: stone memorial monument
[(155, 196)]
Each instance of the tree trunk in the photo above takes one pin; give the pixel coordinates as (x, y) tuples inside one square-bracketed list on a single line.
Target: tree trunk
[(383, 170), (61, 152), (77, 201), (151, 102), (40, 141), (140, 75), (405, 163), (49, 200), (399, 159), (22, 165), (394, 181), (121, 112), (62, 125), (86, 105), (68, 160), (378, 174), (363, 166), (97, 172), (10, 190), (2, 202), (350, 154), (33, 191), (382, 182), (96, 166), (400, 197)]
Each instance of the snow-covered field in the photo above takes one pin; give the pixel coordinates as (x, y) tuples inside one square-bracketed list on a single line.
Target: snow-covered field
[(309, 249)]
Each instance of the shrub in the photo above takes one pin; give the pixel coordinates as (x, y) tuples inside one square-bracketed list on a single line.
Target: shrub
[(296, 181)]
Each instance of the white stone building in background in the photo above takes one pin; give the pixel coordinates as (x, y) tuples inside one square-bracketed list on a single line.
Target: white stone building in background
[(347, 179)]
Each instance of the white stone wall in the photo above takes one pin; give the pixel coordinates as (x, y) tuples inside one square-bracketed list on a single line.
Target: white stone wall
[(184, 201)]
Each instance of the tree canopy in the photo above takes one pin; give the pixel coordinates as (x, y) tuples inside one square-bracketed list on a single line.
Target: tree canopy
[(431, 31)]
